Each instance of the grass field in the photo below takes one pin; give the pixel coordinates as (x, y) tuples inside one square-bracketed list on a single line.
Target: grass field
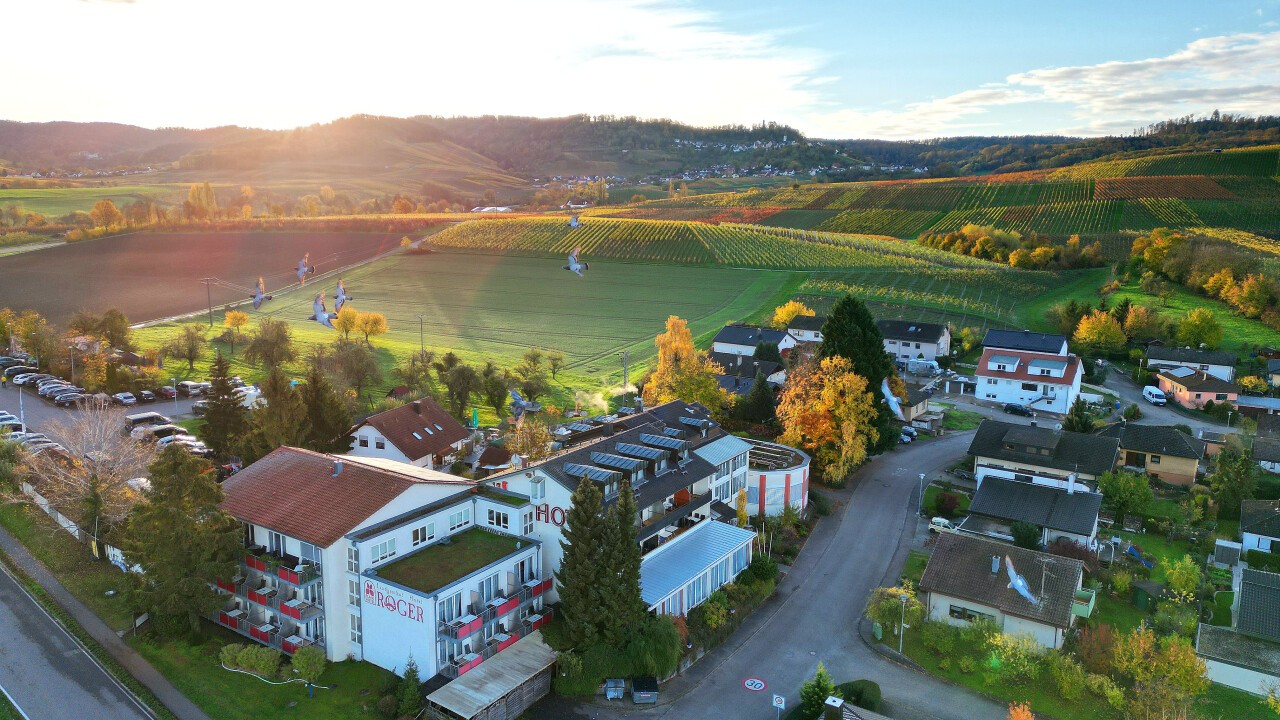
[(55, 202), (1237, 332)]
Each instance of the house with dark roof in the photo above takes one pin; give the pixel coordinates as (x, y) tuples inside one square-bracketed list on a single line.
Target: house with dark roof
[(1266, 452), (907, 340), (682, 466), (1161, 451), (418, 433), (1025, 341), (1260, 525), (1257, 407), (1218, 363), (1070, 512), (1246, 655), (739, 339), (967, 579), (1040, 455), (1194, 388), (1273, 373), (1268, 426), (1039, 381), (807, 328), (740, 372)]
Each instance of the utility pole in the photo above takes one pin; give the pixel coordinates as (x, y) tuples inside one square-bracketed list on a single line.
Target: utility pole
[(421, 346), (208, 288), (626, 373), (72, 349)]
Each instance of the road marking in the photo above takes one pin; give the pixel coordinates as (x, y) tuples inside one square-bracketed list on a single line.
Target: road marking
[(754, 684), (15, 704)]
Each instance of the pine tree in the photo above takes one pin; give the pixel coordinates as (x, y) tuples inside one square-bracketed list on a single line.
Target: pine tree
[(281, 421), (1078, 418), (226, 419), (814, 693), (758, 406), (328, 417), (623, 608), (850, 332), (580, 569), (182, 541), (410, 693)]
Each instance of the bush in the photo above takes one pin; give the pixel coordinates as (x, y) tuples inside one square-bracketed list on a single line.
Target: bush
[(938, 637), (946, 504), (1026, 535), (863, 693), (1133, 412), (229, 655), (945, 664), (1121, 580), (1172, 618), (267, 662), (1020, 657), (247, 657), (967, 665), (1259, 560), (1106, 688), (654, 647), (820, 504), (387, 706), (1068, 676)]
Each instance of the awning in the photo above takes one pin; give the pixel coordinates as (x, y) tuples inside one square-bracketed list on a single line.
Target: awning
[(495, 678)]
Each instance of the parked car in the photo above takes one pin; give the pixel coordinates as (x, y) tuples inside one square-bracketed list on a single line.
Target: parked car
[(69, 399), (13, 371), (1154, 395), (1016, 409), (179, 438), (904, 438), (963, 474), (190, 388), (235, 381), (124, 398), (167, 392), (30, 378), (155, 432), (200, 407), (145, 396), (908, 430), (4, 415), (941, 525), (50, 389), (27, 438), (137, 420), (8, 362), (12, 426)]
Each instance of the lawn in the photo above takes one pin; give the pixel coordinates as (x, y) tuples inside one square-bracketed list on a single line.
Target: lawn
[(493, 308), (437, 565), (957, 420), (1222, 609), (932, 492), (1164, 507), (227, 695), (54, 202), (70, 562), (1228, 530), (1165, 551), (1227, 703), (1119, 613), (1078, 285), (1237, 332), (914, 568)]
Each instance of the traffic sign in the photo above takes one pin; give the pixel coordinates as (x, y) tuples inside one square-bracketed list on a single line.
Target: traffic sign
[(779, 702), (754, 684)]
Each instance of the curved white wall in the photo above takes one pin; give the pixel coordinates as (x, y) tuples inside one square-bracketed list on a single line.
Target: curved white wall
[(769, 491)]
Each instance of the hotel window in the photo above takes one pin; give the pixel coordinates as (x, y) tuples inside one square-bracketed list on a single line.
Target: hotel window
[(364, 441), (382, 551), (424, 534), (356, 633), (310, 553), (528, 523), (353, 560), (380, 443), (499, 519), (275, 542), (451, 607), (489, 588), (991, 381), (964, 613), (1030, 387), (537, 489), (353, 593), (1155, 459), (462, 518)]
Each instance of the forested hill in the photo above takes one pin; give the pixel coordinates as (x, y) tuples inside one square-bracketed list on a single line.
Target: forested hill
[(958, 156)]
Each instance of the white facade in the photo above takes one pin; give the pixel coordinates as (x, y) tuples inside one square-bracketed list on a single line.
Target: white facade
[(368, 442), (1026, 472), (904, 350), (1253, 541), (1240, 678), (954, 611), (1043, 390), (771, 489), (812, 336)]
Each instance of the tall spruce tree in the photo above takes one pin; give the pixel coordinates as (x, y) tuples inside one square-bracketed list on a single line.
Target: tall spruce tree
[(281, 421), (580, 575), (226, 418), (851, 332), (182, 541), (328, 417), (758, 406), (1078, 418), (623, 607)]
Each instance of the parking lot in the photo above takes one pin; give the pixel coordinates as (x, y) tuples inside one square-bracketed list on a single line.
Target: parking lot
[(38, 413)]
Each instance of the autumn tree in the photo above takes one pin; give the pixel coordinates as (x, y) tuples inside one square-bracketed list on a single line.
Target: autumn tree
[(1198, 328), (1182, 576), (531, 440), (271, 345), (106, 214), (1167, 675), (1020, 711), (1141, 324), (234, 321), (371, 324), (1099, 333), (784, 314), (826, 409), (740, 507), (189, 345), (201, 202), (184, 543), (348, 319), (683, 372), (352, 365), (850, 332), (1126, 492)]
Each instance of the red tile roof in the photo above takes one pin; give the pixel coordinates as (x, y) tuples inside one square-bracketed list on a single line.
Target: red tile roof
[(1068, 375), (436, 429), (295, 492)]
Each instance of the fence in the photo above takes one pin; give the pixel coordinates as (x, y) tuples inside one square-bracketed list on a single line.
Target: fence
[(113, 554)]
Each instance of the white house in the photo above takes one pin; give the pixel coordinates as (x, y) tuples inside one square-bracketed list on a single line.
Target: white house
[(1260, 525), (807, 328), (1218, 363), (419, 433), (1026, 341), (738, 339), (967, 579), (1056, 458), (905, 340), (1039, 381)]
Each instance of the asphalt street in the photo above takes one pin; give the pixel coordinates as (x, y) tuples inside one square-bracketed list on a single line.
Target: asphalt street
[(48, 675), (38, 412)]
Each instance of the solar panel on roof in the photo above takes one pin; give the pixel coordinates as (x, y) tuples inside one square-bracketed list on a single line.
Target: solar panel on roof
[(641, 451), (579, 427), (597, 474), (1181, 372), (662, 441), (617, 462), (672, 432), (695, 422)]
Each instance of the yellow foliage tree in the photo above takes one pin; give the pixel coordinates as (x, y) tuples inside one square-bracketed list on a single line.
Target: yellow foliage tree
[(826, 409), (1020, 711), (740, 504), (1252, 384), (1099, 332), (1141, 323), (683, 372), (235, 320), (348, 319), (106, 214), (1219, 283), (784, 314), (371, 324)]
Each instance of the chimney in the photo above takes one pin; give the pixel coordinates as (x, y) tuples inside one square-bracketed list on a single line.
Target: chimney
[(995, 564), (337, 468), (833, 709), (1071, 484), (417, 406), (639, 404)]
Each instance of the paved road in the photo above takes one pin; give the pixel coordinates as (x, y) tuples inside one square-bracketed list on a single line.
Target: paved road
[(47, 673), (1129, 392), (40, 412), (816, 612)]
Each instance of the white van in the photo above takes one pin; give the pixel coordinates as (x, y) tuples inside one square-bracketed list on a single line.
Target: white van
[(1154, 395)]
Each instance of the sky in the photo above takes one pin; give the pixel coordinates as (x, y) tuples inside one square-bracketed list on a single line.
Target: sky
[(892, 69)]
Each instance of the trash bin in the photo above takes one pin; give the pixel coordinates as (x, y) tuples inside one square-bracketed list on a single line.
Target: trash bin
[(615, 688), (644, 690)]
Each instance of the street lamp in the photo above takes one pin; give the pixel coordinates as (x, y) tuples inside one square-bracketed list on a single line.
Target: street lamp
[(175, 396), (1229, 414), (72, 348), (902, 622), (920, 505), (421, 345)]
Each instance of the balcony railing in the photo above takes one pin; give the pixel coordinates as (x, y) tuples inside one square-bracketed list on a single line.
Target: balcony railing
[(255, 627), (499, 642), (286, 567), (482, 614)]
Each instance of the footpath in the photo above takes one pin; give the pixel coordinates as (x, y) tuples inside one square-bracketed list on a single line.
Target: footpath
[(135, 664)]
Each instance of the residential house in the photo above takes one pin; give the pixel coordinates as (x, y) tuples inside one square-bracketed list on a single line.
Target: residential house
[(740, 372), (418, 433), (1273, 373), (1194, 388), (1161, 451), (1026, 341), (807, 328), (685, 471), (905, 340), (1070, 512), (1260, 525), (1266, 452), (1247, 655), (1268, 425), (917, 403), (738, 339), (1039, 381), (1257, 407), (967, 580), (1218, 363), (1040, 455), (493, 459)]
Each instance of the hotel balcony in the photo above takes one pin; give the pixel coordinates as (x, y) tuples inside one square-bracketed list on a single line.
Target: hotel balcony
[(288, 568), (480, 615), (254, 625), (283, 600), (499, 642)]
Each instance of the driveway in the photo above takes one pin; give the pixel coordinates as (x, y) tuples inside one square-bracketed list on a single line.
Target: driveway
[(1130, 392), (46, 673), (815, 614)]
